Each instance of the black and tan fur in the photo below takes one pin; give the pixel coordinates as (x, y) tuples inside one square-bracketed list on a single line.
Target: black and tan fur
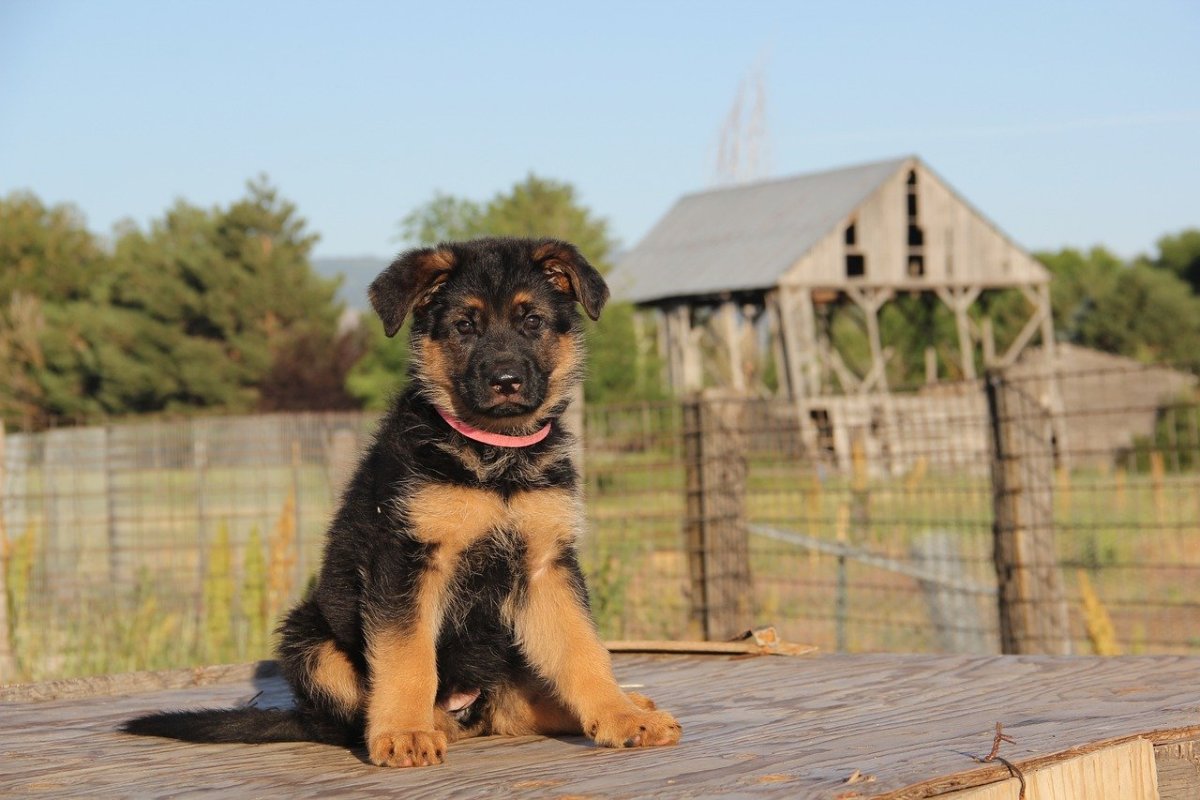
[(450, 566)]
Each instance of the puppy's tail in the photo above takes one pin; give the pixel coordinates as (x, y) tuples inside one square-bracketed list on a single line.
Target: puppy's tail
[(244, 725)]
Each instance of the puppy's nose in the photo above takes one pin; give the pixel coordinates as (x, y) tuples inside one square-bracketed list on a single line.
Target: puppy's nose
[(506, 382)]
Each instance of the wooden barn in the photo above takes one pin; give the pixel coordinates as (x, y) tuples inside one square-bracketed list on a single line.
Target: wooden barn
[(741, 274)]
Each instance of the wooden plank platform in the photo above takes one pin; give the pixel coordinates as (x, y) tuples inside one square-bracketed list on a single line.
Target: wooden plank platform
[(828, 726)]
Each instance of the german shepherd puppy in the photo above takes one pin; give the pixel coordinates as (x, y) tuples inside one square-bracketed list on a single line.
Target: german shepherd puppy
[(450, 602)]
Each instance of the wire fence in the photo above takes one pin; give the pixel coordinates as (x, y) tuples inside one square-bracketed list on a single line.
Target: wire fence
[(865, 523)]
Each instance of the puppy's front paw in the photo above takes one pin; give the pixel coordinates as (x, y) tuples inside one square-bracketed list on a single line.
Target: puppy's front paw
[(407, 749), (641, 701), (635, 728)]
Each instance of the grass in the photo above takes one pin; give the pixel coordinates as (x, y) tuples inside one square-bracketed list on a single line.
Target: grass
[(201, 570)]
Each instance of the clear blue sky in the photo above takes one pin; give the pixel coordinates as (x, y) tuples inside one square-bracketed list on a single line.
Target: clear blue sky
[(1066, 123)]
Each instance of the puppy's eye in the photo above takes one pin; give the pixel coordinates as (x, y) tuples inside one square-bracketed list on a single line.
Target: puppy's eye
[(465, 326), (532, 323)]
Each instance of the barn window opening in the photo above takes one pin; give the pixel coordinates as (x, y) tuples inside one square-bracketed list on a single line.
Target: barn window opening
[(851, 235), (912, 196), (916, 236), (856, 265)]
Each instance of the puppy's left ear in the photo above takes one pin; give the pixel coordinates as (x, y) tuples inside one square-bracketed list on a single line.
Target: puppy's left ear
[(571, 274), (409, 283)]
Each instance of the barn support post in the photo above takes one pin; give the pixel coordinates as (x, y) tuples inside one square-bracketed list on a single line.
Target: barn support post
[(778, 350), (801, 355), (683, 356), (1032, 604), (798, 328), (715, 531), (931, 366), (728, 325), (959, 301)]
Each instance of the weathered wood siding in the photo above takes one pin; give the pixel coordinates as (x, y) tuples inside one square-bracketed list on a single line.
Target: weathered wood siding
[(960, 247)]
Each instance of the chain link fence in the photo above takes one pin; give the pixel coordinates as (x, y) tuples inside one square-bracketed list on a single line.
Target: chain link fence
[(863, 523)]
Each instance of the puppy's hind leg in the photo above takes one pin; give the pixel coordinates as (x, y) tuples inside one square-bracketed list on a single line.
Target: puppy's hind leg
[(324, 679), (529, 708)]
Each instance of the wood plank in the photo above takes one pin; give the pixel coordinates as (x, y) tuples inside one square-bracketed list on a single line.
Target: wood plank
[(1123, 771), (801, 727), (1178, 770)]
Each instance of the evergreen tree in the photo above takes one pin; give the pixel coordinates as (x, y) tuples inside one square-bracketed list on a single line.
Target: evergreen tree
[(196, 312)]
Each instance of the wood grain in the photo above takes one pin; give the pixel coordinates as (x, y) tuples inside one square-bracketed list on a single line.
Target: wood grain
[(1123, 771), (754, 726)]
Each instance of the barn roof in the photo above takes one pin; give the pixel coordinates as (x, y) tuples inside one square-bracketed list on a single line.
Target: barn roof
[(743, 237)]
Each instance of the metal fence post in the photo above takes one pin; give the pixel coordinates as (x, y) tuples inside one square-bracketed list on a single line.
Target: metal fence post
[(716, 536), (1033, 609)]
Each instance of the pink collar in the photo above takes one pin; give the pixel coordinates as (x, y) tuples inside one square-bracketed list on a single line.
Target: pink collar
[(497, 439)]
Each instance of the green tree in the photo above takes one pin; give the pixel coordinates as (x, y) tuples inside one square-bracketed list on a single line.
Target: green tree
[(196, 312), (444, 218), (1141, 310), (1179, 254), (50, 268), (618, 368), (1079, 281), (227, 291), (380, 373), (1149, 315), (47, 252)]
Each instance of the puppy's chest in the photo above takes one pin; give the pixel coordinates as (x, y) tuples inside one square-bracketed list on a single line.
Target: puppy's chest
[(542, 522)]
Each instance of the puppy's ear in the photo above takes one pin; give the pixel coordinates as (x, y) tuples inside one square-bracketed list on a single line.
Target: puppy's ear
[(570, 273), (409, 283)]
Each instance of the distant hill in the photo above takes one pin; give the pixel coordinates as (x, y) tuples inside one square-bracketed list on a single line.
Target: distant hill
[(357, 274)]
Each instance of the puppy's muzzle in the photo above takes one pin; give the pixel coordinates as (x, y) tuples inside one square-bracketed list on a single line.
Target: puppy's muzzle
[(506, 382)]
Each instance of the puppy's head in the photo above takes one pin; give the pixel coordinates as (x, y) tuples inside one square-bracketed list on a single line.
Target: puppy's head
[(496, 337)]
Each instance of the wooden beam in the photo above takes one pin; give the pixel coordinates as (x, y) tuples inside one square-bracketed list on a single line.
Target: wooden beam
[(870, 300), (851, 383), (727, 327), (683, 362), (799, 336), (959, 300), (988, 337), (1032, 325), (877, 374), (778, 349)]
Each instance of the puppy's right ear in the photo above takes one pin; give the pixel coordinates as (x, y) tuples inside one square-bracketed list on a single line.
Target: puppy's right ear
[(408, 284)]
